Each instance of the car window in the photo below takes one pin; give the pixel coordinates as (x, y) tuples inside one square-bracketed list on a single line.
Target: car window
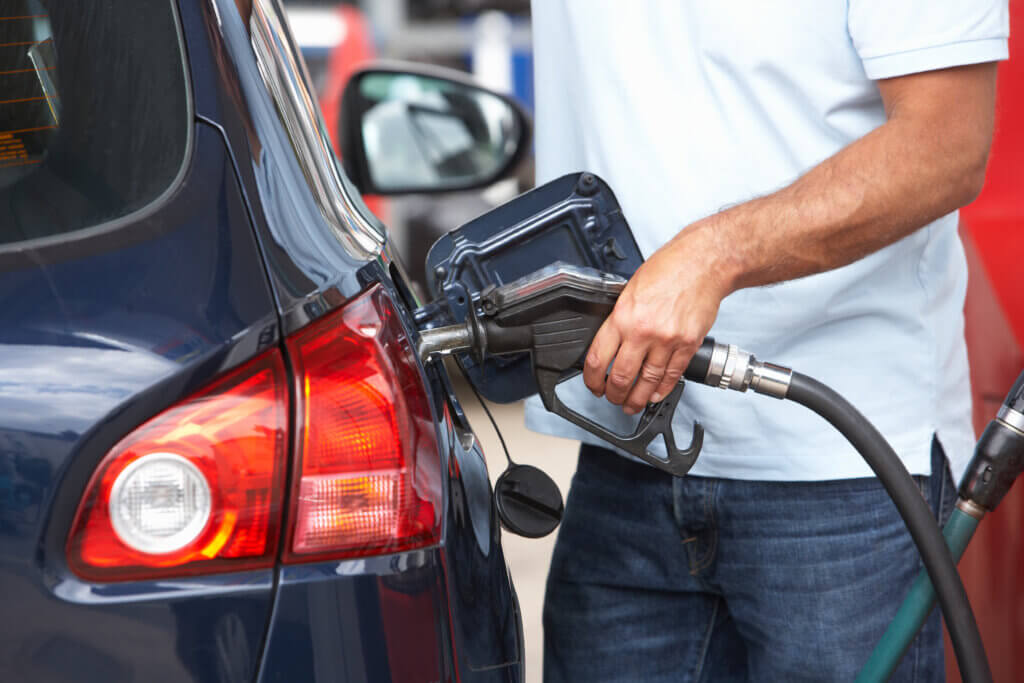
[(94, 114)]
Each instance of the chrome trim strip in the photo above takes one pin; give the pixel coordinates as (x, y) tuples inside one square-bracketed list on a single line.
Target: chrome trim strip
[(287, 82)]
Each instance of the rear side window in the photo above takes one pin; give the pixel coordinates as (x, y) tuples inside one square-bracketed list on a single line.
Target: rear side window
[(94, 113)]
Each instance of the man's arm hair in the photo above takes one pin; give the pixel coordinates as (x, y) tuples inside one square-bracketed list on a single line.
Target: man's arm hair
[(927, 160)]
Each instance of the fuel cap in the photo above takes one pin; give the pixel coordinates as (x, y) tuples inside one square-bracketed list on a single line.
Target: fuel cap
[(528, 501)]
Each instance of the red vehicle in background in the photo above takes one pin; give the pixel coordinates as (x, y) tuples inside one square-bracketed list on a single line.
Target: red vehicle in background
[(993, 232), (354, 49)]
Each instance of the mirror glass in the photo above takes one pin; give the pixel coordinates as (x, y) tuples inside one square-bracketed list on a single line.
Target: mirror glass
[(423, 133)]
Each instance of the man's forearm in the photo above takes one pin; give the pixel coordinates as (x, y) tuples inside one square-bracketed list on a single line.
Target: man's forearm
[(874, 192), (925, 161)]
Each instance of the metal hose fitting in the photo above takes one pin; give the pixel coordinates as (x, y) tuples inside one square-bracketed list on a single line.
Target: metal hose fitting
[(733, 368)]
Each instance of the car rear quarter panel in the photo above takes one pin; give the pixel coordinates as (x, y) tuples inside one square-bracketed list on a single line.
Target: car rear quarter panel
[(94, 340), (439, 614)]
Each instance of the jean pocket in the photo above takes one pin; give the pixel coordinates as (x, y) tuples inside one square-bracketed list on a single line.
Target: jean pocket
[(943, 489)]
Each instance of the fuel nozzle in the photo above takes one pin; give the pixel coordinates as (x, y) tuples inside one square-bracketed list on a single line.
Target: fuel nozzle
[(553, 315), (999, 456)]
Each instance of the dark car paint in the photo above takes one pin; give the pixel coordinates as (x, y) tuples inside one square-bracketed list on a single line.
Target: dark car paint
[(304, 261), (339, 628), (91, 348), (97, 341)]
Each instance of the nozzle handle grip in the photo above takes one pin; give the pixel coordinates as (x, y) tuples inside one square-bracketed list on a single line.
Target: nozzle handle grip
[(655, 421)]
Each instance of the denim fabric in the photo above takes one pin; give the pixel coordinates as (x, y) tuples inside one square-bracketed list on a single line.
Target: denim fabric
[(656, 578)]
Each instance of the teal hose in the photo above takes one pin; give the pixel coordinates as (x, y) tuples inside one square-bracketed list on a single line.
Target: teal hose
[(916, 607)]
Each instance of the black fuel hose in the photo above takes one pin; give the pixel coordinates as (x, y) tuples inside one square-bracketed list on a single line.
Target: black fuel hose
[(879, 455), (873, 448)]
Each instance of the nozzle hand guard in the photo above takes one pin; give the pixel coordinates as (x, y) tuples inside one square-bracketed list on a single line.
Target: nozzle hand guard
[(656, 420)]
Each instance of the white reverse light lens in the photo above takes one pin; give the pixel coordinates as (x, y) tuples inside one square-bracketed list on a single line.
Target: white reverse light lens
[(159, 503)]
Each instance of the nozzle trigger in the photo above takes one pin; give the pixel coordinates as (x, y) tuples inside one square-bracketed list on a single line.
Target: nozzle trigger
[(656, 420)]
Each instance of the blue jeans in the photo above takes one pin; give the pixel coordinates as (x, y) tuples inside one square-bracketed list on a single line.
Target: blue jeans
[(656, 578)]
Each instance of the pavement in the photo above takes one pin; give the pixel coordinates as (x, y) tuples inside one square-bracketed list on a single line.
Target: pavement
[(528, 559)]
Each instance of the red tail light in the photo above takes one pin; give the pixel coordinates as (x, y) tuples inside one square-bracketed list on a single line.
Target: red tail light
[(197, 489), (367, 472)]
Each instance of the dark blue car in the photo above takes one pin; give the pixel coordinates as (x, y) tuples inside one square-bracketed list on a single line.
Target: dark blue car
[(220, 459)]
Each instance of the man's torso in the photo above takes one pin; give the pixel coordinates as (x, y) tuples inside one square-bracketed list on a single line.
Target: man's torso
[(688, 108)]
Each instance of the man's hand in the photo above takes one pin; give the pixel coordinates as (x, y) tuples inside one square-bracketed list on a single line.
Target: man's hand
[(925, 161), (661, 317)]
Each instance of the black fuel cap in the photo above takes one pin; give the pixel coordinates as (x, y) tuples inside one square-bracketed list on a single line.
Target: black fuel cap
[(528, 501)]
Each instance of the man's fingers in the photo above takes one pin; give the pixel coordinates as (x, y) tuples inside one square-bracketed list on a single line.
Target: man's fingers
[(676, 366), (599, 357), (649, 378), (624, 370)]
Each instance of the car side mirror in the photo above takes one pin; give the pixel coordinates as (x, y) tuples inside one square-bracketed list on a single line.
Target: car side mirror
[(409, 128)]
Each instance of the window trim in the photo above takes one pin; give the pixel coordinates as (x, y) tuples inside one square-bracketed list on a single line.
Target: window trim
[(288, 84)]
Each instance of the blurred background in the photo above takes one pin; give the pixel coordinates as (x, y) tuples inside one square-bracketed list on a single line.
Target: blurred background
[(489, 39)]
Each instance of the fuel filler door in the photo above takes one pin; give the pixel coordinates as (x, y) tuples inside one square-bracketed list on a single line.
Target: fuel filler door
[(572, 220)]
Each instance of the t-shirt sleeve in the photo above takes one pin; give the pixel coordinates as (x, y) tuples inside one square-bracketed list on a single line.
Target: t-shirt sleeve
[(899, 37)]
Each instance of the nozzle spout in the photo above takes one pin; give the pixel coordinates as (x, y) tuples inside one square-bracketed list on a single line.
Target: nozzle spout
[(442, 341)]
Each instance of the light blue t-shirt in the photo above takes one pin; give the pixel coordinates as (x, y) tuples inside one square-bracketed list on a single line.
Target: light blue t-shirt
[(686, 108)]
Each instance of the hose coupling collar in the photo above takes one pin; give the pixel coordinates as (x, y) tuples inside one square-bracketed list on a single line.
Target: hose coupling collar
[(733, 368), (729, 368), (1011, 418)]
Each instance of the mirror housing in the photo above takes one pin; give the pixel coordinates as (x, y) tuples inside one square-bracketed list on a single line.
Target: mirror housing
[(411, 128)]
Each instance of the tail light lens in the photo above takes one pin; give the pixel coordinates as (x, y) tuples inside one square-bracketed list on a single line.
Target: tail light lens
[(197, 489), (367, 470)]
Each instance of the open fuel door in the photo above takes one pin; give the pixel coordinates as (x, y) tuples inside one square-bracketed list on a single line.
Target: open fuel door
[(574, 220)]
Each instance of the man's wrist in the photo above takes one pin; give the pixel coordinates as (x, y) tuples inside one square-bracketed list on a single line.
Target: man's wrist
[(711, 244)]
